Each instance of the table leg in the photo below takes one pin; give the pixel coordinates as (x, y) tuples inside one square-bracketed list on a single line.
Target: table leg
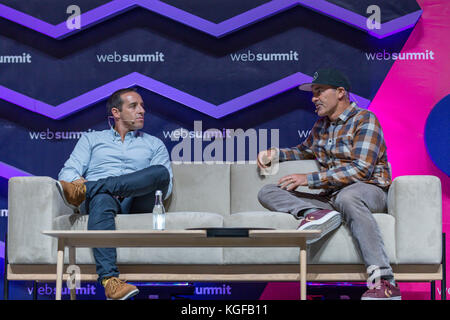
[(59, 268), (72, 261), (303, 272)]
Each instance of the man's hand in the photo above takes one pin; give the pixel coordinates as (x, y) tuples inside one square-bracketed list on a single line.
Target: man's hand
[(80, 181), (292, 181), (265, 158)]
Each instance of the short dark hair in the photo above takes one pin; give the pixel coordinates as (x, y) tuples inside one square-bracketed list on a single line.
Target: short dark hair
[(115, 101)]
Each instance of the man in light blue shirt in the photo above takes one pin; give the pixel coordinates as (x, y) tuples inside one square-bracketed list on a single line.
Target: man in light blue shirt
[(116, 171)]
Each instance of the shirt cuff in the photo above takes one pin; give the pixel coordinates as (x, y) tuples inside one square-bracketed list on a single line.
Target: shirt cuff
[(281, 155), (317, 180), (69, 177)]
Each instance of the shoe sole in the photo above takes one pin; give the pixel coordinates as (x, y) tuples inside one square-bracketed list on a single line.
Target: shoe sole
[(326, 224), (128, 295), (61, 192)]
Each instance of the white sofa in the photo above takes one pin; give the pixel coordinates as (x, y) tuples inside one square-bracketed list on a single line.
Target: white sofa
[(225, 195)]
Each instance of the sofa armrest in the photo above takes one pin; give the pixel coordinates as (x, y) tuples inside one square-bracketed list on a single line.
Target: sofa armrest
[(33, 204), (416, 204)]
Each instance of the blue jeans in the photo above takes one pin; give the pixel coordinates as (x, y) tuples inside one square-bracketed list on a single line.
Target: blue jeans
[(129, 193)]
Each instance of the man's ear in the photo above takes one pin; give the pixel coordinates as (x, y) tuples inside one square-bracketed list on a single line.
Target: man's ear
[(341, 93), (115, 112)]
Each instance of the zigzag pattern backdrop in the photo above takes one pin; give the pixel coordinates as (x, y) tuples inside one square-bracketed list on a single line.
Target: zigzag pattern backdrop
[(230, 64)]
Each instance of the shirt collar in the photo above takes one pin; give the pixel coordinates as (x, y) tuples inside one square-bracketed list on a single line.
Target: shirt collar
[(348, 112), (116, 135)]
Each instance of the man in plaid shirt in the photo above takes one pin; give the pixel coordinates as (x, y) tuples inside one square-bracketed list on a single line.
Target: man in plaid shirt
[(354, 173)]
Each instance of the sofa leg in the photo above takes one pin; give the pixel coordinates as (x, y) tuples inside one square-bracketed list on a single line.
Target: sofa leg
[(5, 287), (35, 290), (433, 290), (444, 270), (5, 277)]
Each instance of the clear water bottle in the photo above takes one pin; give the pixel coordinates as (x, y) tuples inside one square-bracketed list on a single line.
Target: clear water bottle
[(159, 214)]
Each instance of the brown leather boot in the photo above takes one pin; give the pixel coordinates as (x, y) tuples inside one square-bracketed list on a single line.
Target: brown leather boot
[(73, 194), (116, 289)]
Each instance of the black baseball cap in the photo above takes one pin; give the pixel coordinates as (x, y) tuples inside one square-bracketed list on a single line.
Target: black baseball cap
[(329, 76)]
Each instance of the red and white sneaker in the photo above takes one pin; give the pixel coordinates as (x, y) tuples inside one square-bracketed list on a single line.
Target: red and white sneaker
[(384, 291), (323, 220)]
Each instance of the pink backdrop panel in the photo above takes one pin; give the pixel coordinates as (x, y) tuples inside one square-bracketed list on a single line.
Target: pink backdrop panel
[(410, 91)]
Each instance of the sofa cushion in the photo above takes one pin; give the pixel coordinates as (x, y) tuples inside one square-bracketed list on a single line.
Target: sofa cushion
[(246, 182), (200, 187), (338, 247), (174, 220)]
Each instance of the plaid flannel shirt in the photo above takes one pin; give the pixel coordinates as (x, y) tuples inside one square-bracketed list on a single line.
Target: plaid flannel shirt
[(348, 150)]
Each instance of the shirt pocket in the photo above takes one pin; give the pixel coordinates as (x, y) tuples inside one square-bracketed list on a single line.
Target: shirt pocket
[(319, 147)]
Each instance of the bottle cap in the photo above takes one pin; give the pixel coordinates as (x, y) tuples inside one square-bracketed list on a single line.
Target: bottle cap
[(158, 193)]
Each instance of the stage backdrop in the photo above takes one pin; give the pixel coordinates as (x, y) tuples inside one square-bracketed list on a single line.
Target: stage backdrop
[(226, 65)]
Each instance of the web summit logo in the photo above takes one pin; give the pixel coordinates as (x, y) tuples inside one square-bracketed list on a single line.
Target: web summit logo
[(216, 290), (267, 56), (23, 58), (117, 57), (57, 135)]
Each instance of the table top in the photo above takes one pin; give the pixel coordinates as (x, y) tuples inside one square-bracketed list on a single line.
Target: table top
[(183, 233), (180, 238)]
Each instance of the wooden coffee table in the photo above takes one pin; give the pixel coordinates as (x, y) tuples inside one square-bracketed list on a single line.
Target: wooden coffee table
[(175, 238)]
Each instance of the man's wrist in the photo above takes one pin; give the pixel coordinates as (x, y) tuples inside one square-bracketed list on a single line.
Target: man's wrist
[(280, 154), (314, 180)]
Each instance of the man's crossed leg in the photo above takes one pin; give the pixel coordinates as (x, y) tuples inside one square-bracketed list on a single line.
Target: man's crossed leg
[(103, 200)]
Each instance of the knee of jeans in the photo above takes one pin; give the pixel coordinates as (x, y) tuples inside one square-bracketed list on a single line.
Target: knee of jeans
[(162, 173), (103, 200), (345, 200), (102, 209), (265, 190)]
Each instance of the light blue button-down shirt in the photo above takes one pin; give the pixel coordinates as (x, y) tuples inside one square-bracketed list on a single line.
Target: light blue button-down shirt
[(102, 154)]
